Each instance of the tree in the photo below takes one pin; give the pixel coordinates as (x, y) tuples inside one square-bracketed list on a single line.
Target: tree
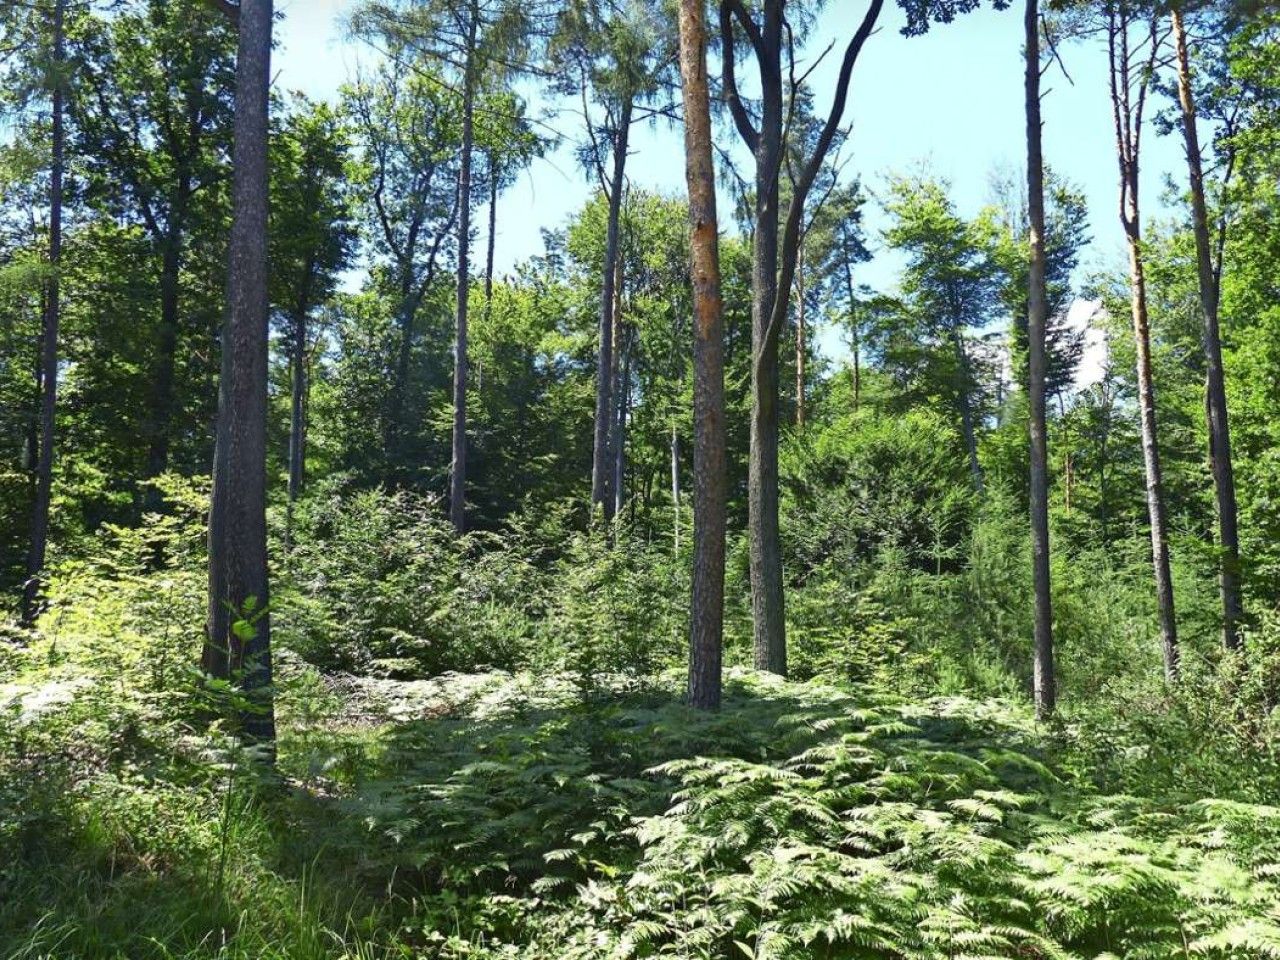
[(949, 287), (51, 64), (623, 56), (1037, 318), (1065, 236), (838, 243), (238, 644), (406, 132), (1134, 40), (476, 42), (707, 611), (312, 241), (152, 117), (773, 271), (1208, 271), (775, 250)]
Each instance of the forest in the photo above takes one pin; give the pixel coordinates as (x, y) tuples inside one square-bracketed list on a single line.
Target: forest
[(803, 562)]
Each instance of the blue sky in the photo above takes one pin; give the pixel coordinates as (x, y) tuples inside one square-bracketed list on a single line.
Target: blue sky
[(951, 100)]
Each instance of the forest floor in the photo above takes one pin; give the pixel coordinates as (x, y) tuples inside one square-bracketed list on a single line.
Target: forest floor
[(497, 815)]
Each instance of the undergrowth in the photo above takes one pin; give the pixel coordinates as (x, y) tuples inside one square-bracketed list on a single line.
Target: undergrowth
[(510, 816)]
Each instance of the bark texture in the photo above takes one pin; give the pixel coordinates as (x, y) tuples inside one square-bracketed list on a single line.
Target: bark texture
[(237, 516), (706, 622)]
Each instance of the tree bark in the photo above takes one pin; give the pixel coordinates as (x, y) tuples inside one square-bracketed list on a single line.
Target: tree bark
[(458, 470), (1045, 686), (601, 462), (49, 338), (706, 621), (238, 587), (491, 239), (619, 443), (1215, 386)]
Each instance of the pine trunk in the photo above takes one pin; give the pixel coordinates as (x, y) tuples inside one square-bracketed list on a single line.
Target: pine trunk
[(706, 625), (622, 393), (491, 242)]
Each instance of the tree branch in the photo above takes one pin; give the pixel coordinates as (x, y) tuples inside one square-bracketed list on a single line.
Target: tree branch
[(736, 108), (791, 232)]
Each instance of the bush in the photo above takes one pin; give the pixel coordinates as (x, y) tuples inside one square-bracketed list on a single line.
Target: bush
[(377, 582)]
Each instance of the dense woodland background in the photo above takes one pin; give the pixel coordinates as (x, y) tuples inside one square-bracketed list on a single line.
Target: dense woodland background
[(425, 679)]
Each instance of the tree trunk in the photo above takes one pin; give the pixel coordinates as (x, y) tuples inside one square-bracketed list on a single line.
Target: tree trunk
[(1215, 387), (706, 621), (619, 443), (855, 335), (621, 383), (773, 272), (1126, 65), (49, 339), (800, 340), (622, 391), (166, 358), (1151, 455), (968, 427), (238, 588), (1104, 435), (768, 618), (297, 419), (491, 242), (458, 471), (491, 239), (409, 301), (601, 462), (1037, 319), (675, 485)]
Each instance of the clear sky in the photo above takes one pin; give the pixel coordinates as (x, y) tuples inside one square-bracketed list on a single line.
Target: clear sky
[(951, 99)]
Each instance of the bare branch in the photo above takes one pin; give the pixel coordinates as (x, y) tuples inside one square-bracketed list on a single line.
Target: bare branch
[(736, 108)]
